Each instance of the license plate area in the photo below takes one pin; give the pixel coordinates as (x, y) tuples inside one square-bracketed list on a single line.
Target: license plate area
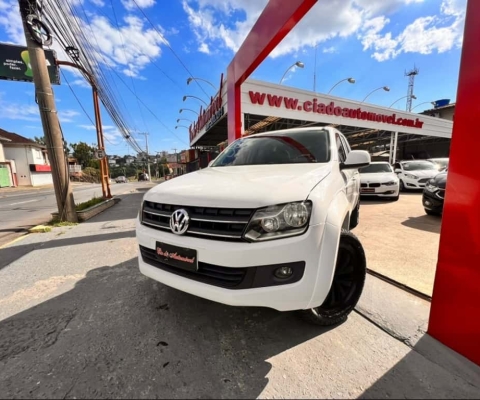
[(178, 257), (367, 190)]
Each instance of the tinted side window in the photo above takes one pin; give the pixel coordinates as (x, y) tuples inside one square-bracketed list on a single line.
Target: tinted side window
[(341, 151)]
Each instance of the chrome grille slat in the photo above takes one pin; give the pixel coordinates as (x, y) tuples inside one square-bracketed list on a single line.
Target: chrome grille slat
[(206, 222)]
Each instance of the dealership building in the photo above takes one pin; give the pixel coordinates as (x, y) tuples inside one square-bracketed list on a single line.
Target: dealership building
[(267, 106)]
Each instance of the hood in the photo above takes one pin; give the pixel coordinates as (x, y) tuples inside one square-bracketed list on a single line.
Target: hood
[(378, 177), (440, 180), (427, 173), (249, 186)]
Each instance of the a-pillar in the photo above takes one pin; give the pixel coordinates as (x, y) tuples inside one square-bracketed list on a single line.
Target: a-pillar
[(455, 312)]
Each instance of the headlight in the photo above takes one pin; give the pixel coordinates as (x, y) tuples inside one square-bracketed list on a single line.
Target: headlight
[(411, 176), (391, 183), (431, 187), (276, 222)]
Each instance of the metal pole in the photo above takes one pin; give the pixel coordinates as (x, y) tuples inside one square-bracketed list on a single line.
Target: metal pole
[(101, 146), (148, 159), (50, 122), (315, 71), (390, 156), (98, 126), (395, 148)]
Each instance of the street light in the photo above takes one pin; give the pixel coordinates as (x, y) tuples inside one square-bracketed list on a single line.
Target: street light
[(182, 126), (189, 80), (386, 88), (183, 119), (188, 109), (349, 80), (425, 102), (404, 97), (298, 64), (195, 97)]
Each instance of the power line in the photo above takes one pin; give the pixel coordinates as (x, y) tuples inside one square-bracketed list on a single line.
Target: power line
[(171, 48)]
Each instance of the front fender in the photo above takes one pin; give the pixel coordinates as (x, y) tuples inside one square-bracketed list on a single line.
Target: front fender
[(338, 212)]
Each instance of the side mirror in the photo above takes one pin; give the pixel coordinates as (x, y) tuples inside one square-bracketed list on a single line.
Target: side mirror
[(356, 159), (398, 170)]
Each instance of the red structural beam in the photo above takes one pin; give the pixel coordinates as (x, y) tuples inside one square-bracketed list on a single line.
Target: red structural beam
[(277, 19), (455, 312)]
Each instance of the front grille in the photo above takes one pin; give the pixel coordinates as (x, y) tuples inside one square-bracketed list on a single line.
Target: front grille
[(207, 273), (364, 185), (423, 180), (206, 222), (374, 185)]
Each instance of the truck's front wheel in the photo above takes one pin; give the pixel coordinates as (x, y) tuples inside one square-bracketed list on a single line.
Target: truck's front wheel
[(347, 284)]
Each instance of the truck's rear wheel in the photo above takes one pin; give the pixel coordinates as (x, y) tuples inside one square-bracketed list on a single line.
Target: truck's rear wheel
[(347, 284)]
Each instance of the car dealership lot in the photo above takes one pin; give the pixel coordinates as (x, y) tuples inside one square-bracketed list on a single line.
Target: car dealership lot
[(400, 240)]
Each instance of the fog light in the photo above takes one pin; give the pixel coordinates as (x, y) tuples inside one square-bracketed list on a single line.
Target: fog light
[(427, 203), (283, 272)]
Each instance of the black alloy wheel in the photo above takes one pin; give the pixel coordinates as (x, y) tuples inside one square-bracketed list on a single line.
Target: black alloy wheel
[(347, 284)]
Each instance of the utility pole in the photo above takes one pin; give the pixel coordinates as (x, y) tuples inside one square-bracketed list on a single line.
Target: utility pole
[(315, 70), (411, 84), (148, 158), (49, 117), (176, 161)]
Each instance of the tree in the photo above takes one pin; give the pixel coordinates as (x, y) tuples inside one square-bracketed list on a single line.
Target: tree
[(83, 153)]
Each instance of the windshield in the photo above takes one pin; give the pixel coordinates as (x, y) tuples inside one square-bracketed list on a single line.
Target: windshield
[(440, 163), (292, 147), (376, 168), (418, 166)]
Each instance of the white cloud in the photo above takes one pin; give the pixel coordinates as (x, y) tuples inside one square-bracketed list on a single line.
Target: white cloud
[(329, 50), (204, 48), (212, 23), (99, 3), (131, 47), (67, 115), (425, 35), (11, 21), (130, 4)]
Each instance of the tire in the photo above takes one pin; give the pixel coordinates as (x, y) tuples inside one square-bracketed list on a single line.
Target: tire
[(355, 217), (433, 213), (395, 198), (402, 186), (350, 271)]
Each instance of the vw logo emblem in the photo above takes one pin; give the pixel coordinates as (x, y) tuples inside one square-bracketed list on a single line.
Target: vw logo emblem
[(179, 222)]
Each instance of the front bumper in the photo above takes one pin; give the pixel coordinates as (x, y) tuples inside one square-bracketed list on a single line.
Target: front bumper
[(431, 201), (411, 183), (381, 191), (304, 249)]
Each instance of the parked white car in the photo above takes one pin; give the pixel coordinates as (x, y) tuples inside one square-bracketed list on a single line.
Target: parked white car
[(414, 174), (440, 163), (266, 224), (378, 179)]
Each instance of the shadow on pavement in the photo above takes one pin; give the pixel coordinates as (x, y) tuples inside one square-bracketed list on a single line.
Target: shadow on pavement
[(425, 223), (426, 372), (119, 334), (13, 253), (127, 209)]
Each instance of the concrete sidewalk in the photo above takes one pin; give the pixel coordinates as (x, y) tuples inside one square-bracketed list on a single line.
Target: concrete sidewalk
[(78, 320)]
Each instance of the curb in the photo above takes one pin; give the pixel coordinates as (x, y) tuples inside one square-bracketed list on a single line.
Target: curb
[(14, 240)]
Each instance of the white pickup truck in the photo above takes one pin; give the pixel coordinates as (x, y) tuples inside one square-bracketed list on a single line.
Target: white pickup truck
[(266, 224)]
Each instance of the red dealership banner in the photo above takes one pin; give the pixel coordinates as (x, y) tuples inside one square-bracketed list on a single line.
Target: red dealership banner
[(315, 106)]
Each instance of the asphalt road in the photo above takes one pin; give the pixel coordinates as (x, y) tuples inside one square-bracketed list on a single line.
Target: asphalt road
[(78, 320), (20, 210)]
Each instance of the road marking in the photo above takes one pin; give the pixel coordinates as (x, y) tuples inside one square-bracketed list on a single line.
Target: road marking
[(23, 202), (15, 240)]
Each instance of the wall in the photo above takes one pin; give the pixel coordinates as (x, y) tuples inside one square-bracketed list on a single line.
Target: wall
[(2, 154), (41, 178), (19, 154)]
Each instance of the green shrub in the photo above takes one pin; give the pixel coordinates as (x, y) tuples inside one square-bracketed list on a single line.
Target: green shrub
[(89, 203)]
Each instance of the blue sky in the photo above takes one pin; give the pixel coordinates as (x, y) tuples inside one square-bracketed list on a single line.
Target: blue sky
[(374, 41)]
